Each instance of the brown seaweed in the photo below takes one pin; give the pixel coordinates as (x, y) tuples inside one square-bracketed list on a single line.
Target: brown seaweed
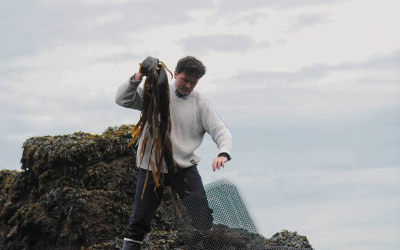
[(155, 122)]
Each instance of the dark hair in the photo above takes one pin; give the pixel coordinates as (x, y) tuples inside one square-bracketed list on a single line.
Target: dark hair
[(191, 67)]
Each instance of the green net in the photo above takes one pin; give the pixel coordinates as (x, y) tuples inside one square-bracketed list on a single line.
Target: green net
[(227, 206), (217, 219)]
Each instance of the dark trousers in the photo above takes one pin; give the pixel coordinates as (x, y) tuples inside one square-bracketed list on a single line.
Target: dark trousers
[(189, 187)]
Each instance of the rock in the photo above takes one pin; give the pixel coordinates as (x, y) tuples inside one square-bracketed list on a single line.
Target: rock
[(76, 192), (290, 239)]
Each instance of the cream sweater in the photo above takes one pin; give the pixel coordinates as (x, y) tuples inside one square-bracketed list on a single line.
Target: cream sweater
[(191, 117)]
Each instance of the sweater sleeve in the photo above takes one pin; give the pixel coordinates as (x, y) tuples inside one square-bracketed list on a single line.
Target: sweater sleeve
[(214, 125), (130, 95)]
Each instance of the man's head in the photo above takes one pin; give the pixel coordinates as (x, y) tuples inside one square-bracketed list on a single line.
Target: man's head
[(187, 73), (191, 67)]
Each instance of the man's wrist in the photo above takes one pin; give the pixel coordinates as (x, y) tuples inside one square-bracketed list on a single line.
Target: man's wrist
[(134, 80), (225, 155)]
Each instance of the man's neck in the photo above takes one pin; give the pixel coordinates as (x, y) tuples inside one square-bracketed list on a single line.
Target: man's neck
[(177, 93)]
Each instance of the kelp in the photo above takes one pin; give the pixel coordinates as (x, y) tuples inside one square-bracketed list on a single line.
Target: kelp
[(154, 126)]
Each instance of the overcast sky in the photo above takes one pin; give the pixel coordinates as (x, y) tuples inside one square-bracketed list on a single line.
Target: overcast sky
[(310, 90)]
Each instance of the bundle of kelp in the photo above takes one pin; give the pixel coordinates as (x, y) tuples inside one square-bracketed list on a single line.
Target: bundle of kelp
[(154, 126)]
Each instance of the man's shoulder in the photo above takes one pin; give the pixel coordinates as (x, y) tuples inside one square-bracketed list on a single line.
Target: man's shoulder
[(197, 96), (202, 102)]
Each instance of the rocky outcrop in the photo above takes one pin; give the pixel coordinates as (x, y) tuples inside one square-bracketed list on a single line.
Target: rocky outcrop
[(76, 192)]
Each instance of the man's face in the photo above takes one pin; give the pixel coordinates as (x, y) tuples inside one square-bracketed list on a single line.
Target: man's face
[(185, 84)]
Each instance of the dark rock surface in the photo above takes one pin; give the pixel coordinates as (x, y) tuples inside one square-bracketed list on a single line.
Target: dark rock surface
[(76, 192)]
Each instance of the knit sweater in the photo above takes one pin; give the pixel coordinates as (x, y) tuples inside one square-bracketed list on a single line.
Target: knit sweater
[(191, 118)]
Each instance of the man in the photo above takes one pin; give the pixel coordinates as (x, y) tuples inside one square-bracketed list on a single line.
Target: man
[(191, 117)]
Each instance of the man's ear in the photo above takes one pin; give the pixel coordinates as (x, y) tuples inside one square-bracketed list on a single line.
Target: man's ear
[(175, 74)]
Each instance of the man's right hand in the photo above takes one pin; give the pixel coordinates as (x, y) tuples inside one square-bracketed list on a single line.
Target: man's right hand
[(137, 77)]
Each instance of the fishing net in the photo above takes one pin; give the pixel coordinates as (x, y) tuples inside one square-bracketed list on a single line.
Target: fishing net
[(218, 220), (228, 208)]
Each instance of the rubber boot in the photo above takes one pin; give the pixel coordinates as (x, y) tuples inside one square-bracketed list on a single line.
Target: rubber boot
[(131, 244)]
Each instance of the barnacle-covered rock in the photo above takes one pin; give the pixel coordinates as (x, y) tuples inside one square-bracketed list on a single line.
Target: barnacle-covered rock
[(223, 238), (80, 147), (76, 192), (290, 239)]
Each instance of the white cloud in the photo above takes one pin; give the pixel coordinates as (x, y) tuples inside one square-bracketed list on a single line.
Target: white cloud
[(217, 43), (237, 6), (340, 91), (108, 18), (357, 224), (357, 219), (102, 2), (306, 20)]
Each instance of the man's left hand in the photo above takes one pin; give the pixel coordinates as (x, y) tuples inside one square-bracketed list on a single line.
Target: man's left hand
[(219, 162)]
